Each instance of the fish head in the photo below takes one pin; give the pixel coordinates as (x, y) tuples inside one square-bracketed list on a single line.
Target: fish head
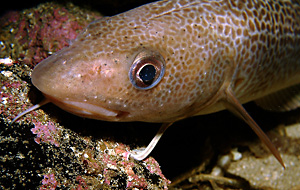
[(121, 69)]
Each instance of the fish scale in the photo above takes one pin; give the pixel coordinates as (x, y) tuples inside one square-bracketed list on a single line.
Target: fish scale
[(205, 56)]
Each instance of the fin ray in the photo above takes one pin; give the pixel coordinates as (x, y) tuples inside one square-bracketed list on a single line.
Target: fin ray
[(284, 100), (145, 153), (233, 104)]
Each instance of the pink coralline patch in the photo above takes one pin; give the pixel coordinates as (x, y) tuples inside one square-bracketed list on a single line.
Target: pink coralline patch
[(44, 30), (82, 184), (45, 133), (153, 167), (135, 180), (7, 99), (12, 84), (62, 30), (106, 174), (49, 182), (122, 150), (50, 33)]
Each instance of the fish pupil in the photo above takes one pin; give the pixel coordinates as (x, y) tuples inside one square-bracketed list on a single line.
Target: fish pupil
[(147, 74)]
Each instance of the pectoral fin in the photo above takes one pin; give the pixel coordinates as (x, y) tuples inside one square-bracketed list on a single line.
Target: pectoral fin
[(284, 100), (233, 104), (141, 155)]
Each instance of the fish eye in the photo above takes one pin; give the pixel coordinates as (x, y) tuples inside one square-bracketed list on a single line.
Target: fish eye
[(147, 70)]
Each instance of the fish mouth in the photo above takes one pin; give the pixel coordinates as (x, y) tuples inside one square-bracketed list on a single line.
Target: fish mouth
[(88, 110)]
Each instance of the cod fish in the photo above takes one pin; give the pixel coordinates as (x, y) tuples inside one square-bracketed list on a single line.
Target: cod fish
[(173, 59)]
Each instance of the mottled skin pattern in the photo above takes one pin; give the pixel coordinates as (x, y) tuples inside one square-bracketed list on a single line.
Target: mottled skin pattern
[(252, 47)]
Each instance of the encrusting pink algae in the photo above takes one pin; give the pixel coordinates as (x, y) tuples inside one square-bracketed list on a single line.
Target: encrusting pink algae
[(36, 33), (45, 133)]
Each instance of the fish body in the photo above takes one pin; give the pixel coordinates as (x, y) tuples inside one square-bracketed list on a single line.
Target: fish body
[(174, 59), (253, 47)]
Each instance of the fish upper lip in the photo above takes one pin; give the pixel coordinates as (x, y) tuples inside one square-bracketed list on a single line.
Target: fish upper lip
[(89, 110), (97, 112)]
